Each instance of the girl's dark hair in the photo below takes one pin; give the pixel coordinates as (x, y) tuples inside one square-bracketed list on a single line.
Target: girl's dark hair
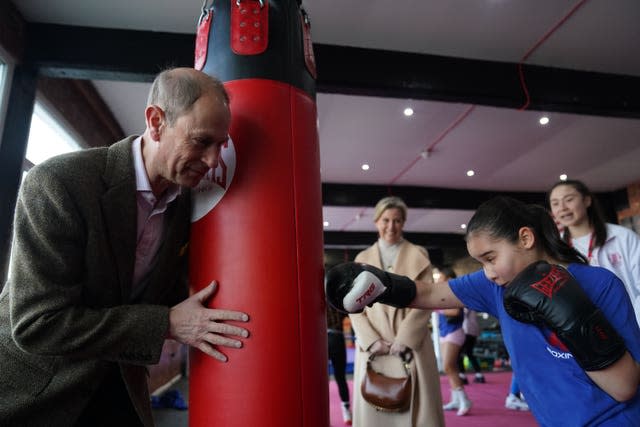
[(503, 217), (594, 211), (448, 272)]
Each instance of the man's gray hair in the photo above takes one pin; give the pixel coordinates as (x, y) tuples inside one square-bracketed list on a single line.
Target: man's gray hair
[(176, 90)]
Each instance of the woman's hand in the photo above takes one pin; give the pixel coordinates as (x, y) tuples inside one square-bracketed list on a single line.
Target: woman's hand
[(398, 349), (380, 347)]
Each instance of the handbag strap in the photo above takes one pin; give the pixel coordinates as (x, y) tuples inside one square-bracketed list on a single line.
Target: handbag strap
[(404, 357)]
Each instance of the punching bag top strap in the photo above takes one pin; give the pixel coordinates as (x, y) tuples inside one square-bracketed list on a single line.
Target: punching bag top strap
[(249, 27), (205, 10), (202, 35), (261, 3), (309, 56)]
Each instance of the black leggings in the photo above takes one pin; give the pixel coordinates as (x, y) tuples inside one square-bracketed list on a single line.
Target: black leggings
[(467, 349), (338, 358)]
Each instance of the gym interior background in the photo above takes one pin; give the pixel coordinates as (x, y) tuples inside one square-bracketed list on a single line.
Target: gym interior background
[(440, 103)]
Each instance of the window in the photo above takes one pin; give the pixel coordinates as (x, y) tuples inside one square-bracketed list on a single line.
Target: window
[(4, 89), (47, 138), (3, 72)]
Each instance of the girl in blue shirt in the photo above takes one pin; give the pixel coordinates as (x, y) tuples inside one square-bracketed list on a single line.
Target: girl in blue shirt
[(507, 237)]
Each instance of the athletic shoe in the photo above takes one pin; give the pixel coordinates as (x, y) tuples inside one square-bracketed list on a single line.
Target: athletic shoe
[(453, 404), (464, 402), (346, 413), (515, 403), (479, 379)]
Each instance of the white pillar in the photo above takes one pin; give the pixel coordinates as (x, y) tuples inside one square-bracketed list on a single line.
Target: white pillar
[(435, 337)]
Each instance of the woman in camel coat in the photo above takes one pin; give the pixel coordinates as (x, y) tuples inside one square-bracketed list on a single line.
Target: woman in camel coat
[(388, 331)]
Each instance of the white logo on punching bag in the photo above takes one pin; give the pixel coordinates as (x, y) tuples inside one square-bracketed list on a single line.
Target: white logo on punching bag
[(208, 193)]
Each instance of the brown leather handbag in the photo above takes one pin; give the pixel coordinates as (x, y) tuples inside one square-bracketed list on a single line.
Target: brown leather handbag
[(387, 394)]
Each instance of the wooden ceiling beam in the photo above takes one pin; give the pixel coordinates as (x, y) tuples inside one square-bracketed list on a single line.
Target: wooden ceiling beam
[(130, 55)]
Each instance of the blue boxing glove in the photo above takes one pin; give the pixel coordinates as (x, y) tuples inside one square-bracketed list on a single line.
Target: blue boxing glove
[(548, 294), (352, 286)]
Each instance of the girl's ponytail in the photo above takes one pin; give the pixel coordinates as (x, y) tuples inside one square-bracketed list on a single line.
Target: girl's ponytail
[(503, 217), (547, 233)]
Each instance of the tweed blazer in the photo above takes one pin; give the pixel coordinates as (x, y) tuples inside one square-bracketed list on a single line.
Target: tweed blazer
[(66, 310)]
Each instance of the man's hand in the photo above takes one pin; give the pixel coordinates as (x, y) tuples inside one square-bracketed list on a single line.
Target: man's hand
[(192, 323)]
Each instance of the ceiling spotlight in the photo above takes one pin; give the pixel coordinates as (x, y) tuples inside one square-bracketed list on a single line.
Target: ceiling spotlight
[(544, 120), (463, 226), (325, 223), (425, 153), (408, 111), (471, 172), (365, 167), (563, 177)]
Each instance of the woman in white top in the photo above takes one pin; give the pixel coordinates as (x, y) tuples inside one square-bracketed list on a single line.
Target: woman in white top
[(613, 247)]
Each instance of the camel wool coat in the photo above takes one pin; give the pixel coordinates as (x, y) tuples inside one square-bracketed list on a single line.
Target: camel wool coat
[(404, 325)]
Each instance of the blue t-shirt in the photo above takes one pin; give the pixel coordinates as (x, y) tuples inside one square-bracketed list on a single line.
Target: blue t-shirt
[(446, 324), (557, 390)]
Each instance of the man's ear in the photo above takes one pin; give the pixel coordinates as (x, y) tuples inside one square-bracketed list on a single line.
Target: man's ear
[(154, 117), (527, 237)]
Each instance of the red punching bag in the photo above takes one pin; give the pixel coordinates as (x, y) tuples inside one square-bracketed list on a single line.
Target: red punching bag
[(257, 222)]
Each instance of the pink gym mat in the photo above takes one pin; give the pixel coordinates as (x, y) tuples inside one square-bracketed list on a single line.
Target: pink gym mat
[(488, 404)]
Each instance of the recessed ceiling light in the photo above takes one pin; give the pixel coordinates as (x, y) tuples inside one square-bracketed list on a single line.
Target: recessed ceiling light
[(544, 120), (408, 111), (365, 167), (563, 177), (326, 224), (471, 172), (463, 226)]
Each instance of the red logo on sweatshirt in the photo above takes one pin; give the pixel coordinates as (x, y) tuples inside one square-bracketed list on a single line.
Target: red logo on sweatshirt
[(551, 282)]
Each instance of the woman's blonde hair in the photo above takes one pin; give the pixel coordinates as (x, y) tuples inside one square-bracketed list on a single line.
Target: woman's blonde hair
[(390, 203)]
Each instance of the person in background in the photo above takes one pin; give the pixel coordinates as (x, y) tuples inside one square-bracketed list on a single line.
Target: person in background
[(338, 358), (383, 331), (451, 340), (471, 329), (611, 246), (98, 275), (515, 400), (568, 327)]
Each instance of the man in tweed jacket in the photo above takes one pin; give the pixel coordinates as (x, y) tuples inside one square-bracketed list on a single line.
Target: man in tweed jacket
[(98, 277)]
